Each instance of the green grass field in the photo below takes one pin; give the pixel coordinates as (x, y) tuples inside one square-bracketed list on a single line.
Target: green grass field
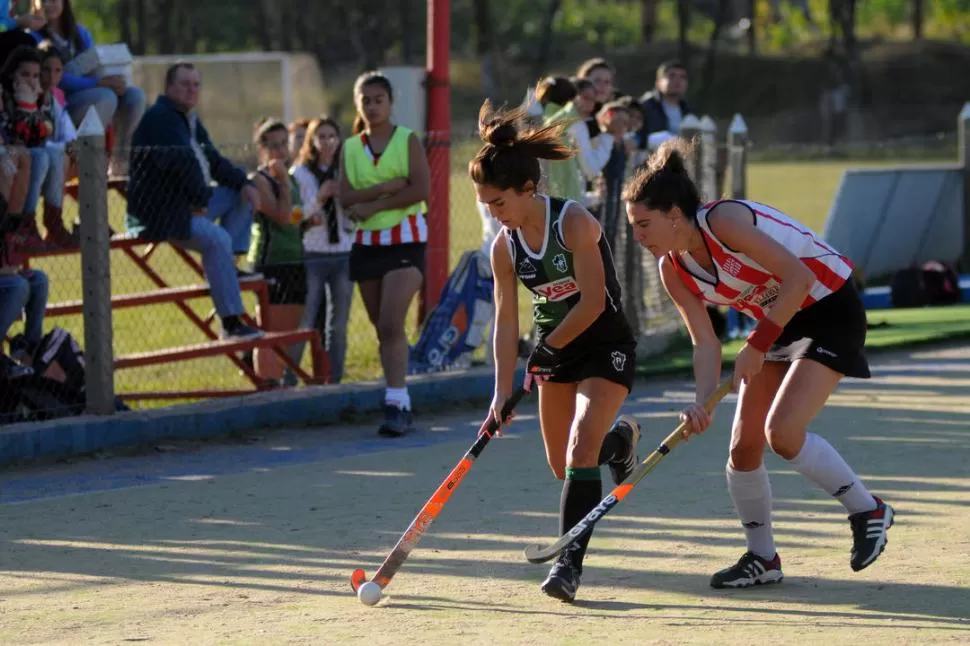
[(805, 190)]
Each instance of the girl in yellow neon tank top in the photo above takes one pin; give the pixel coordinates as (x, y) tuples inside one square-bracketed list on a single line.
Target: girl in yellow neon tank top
[(383, 187)]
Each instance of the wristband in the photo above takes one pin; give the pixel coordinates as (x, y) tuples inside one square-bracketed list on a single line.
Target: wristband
[(764, 335)]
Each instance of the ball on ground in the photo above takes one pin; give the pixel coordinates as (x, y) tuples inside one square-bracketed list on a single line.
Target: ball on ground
[(369, 593)]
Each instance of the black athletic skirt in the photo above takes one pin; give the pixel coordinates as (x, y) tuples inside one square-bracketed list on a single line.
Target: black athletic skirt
[(373, 262), (831, 332)]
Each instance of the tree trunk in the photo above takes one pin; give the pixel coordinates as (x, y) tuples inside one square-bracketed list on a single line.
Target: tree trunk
[(707, 80), (407, 33), (285, 10), (683, 25), (648, 20), (545, 40), (917, 19), (264, 25), (753, 27), (138, 42), (124, 20), (166, 40), (485, 48)]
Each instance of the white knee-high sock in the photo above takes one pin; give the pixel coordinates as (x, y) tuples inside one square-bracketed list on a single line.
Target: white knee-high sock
[(751, 493), (821, 463)]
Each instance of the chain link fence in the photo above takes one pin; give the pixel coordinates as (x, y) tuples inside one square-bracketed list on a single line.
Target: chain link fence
[(144, 315)]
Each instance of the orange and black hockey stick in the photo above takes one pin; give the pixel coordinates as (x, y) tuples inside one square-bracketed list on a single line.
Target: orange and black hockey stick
[(540, 554), (435, 504)]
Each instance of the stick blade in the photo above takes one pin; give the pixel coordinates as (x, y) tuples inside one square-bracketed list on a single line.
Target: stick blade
[(540, 554), (357, 579)]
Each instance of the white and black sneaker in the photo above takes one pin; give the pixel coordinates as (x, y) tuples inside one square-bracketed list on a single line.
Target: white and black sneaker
[(750, 570), (621, 468), (563, 580), (869, 529)]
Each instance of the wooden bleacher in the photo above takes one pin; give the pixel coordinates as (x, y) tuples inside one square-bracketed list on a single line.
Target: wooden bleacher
[(179, 295)]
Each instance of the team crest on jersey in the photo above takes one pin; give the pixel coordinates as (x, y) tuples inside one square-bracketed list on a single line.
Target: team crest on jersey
[(732, 266), (527, 270), (559, 262), (619, 360), (558, 290)]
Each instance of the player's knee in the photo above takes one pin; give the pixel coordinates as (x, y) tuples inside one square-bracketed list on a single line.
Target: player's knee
[(389, 329), (784, 437), (747, 448), (558, 470)]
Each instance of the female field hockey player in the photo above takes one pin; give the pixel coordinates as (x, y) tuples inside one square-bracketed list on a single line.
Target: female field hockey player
[(810, 334), (584, 359)]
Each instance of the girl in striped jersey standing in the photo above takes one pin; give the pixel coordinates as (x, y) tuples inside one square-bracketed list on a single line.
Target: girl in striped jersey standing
[(810, 334), (383, 187)]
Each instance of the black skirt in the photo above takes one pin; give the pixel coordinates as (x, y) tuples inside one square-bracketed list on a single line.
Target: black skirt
[(831, 332)]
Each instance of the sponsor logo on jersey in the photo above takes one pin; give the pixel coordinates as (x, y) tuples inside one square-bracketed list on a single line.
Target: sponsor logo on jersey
[(619, 360), (761, 295), (559, 262), (558, 290), (527, 270)]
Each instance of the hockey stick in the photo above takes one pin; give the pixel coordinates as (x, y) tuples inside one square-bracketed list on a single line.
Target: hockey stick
[(540, 554), (435, 504)]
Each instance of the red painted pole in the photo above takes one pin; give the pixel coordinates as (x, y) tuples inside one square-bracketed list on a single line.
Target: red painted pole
[(438, 144)]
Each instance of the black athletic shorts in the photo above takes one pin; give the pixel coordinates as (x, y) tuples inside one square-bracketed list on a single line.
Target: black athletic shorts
[(831, 332), (287, 283), (616, 363), (373, 262)]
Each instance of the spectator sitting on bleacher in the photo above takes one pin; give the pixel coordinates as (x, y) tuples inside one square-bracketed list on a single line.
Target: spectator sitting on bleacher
[(173, 163), (60, 148), (27, 121), (115, 100), (664, 106), (277, 247)]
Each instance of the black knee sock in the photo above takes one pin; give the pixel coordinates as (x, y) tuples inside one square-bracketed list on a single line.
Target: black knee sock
[(582, 491), (614, 447)]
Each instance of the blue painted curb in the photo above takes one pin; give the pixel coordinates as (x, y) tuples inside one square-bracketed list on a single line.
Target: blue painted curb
[(314, 405)]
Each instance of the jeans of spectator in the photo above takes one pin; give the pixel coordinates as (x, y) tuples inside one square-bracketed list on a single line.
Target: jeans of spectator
[(24, 291), (39, 169), (212, 241), (53, 189), (123, 111), (328, 285), (227, 207)]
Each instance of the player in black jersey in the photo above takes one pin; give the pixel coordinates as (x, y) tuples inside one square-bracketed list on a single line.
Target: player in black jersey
[(583, 362)]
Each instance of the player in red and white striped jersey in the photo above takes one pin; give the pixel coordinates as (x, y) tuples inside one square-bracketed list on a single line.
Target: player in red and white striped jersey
[(811, 333)]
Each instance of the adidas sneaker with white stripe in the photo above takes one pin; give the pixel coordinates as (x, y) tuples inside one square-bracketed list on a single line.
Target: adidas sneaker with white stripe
[(869, 529), (750, 570)]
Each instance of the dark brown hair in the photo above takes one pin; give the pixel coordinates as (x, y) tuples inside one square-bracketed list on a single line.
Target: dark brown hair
[(68, 27), (555, 89), (173, 70), (264, 126), (593, 64), (364, 80), (666, 66), (510, 156), (309, 155), (663, 182), (21, 54), (49, 50), (582, 84), (299, 123)]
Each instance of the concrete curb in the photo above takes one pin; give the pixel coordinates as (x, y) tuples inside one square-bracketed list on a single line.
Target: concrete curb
[(313, 405)]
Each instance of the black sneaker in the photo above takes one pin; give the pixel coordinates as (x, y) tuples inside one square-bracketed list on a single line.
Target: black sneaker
[(869, 538), (750, 570), (238, 330), (563, 580), (397, 422), (627, 427)]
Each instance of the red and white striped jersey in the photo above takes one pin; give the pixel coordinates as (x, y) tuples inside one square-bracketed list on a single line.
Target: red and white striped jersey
[(742, 283), (413, 228)]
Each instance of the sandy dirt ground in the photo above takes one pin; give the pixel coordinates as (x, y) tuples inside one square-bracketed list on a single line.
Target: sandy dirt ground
[(252, 542)]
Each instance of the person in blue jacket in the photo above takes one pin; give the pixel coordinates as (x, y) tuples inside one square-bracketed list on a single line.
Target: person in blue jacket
[(115, 100)]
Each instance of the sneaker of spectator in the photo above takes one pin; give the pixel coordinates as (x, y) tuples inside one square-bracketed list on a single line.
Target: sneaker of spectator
[(116, 102)]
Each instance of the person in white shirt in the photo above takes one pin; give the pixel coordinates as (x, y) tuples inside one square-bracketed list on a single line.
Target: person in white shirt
[(326, 246)]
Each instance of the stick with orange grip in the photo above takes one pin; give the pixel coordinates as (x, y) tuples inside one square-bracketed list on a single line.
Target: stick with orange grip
[(540, 554), (436, 503)]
